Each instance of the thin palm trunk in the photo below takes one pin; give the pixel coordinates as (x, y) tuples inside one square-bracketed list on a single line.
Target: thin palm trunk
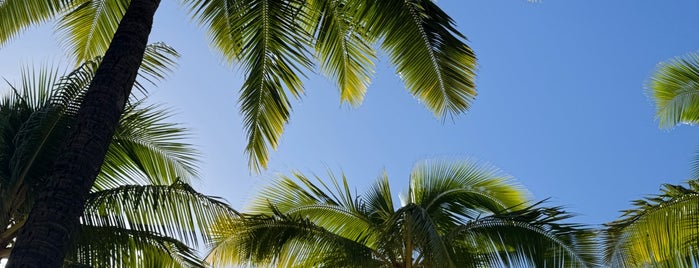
[(48, 233)]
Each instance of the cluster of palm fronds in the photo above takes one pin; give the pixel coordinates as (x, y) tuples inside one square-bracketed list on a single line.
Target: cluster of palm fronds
[(663, 230), (277, 42), (141, 211), (455, 214)]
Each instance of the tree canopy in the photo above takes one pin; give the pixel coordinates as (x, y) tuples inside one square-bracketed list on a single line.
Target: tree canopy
[(454, 214)]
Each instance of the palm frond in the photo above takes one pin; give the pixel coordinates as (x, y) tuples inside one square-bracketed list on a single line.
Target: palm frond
[(379, 201), (35, 118), (660, 230), (430, 55), (342, 47), (675, 90), (110, 246), (12, 115), (36, 84), (274, 54), (88, 29), (176, 211), (334, 210), (411, 229), (452, 190), (268, 40), (534, 236), (282, 239), (147, 150), (298, 223), (286, 194), (18, 15), (40, 135), (225, 22), (159, 60)]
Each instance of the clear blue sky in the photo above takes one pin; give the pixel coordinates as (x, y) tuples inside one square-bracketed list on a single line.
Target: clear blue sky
[(561, 104)]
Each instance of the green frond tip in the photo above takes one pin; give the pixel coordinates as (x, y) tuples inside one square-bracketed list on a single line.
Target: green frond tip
[(274, 60), (342, 47), (674, 88), (270, 40)]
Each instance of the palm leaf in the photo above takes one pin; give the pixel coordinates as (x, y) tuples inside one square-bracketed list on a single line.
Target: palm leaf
[(342, 47), (176, 210), (275, 53), (675, 90), (39, 113), (268, 40), (412, 230), (379, 202), (12, 115), (286, 194), (660, 230), (336, 211), (297, 222), (530, 237), (430, 56), (35, 118), (282, 240), (462, 189), (18, 15), (109, 246), (270, 37), (37, 140), (224, 21), (159, 60), (145, 150), (88, 29)]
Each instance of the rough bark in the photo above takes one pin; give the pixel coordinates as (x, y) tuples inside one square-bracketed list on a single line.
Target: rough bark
[(48, 233)]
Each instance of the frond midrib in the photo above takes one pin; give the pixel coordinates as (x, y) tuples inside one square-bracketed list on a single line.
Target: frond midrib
[(428, 45)]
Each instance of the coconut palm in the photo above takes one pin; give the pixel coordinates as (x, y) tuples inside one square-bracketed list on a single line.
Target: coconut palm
[(141, 212), (660, 231), (271, 39), (663, 230), (455, 214)]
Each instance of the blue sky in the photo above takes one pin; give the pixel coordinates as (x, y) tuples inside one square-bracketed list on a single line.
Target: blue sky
[(561, 104)]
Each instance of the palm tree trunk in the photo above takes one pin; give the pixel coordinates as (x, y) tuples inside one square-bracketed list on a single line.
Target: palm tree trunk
[(48, 233)]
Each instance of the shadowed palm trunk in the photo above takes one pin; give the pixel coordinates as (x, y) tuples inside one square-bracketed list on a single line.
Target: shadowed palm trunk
[(48, 233)]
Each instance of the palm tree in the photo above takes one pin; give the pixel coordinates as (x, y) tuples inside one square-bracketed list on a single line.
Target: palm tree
[(663, 230), (455, 214), (271, 39), (141, 212)]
